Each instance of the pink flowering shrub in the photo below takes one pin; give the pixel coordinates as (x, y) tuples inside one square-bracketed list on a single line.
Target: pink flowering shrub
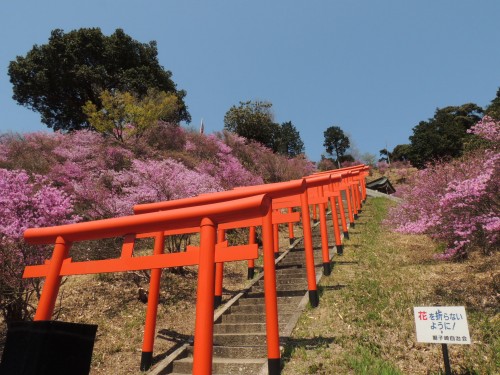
[(25, 202), (85, 168), (90, 151), (346, 164), (160, 180), (109, 193), (298, 167), (202, 147), (382, 167), (163, 138), (98, 196), (31, 152), (263, 162), (399, 172), (105, 178), (469, 209), (456, 202), (227, 169), (326, 164), (488, 129)]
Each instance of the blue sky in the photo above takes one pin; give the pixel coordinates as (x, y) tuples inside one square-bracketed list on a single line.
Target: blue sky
[(374, 68)]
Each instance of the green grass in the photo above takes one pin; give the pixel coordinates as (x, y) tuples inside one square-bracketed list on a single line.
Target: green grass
[(364, 323), (368, 362)]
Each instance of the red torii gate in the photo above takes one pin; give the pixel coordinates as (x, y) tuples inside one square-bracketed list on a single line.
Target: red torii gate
[(154, 289), (333, 191), (354, 184), (61, 265), (206, 218), (354, 173), (316, 196), (274, 191)]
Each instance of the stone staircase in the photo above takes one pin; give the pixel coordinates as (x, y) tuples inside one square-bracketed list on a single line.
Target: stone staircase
[(240, 332)]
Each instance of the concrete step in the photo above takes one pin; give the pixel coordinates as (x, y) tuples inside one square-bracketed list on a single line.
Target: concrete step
[(285, 280), (223, 365), (254, 318), (297, 256), (240, 351), (291, 263), (245, 327), (302, 255), (261, 301), (260, 309), (296, 264), (297, 273), (286, 273), (237, 351), (302, 285), (296, 252), (289, 270), (280, 293), (302, 260), (240, 339), (297, 267)]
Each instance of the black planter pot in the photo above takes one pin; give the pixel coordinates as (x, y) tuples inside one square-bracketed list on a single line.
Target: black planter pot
[(48, 347)]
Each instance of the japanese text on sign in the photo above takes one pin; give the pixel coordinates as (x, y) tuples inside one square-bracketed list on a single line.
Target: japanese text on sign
[(441, 324)]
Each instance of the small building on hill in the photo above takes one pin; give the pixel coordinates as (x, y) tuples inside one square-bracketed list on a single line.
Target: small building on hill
[(382, 185)]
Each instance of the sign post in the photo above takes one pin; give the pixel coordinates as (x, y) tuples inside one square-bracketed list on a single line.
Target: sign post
[(442, 325)]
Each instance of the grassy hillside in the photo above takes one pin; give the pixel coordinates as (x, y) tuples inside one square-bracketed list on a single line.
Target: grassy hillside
[(364, 324)]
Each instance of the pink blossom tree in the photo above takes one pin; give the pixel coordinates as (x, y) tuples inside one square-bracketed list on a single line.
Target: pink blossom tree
[(488, 129), (326, 164), (226, 168), (160, 180), (25, 202), (456, 202), (349, 163), (32, 151), (263, 162), (382, 167)]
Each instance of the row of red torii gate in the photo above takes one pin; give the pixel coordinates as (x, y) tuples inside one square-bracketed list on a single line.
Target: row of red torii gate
[(210, 215)]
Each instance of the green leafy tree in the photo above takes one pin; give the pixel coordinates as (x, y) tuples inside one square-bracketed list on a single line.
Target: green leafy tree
[(443, 136), (385, 155), (493, 109), (347, 158), (253, 120), (400, 152), (336, 142), (58, 78), (123, 115), (288, 140)]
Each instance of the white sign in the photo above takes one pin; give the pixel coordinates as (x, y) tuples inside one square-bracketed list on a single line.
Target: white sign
[(441, 324)]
